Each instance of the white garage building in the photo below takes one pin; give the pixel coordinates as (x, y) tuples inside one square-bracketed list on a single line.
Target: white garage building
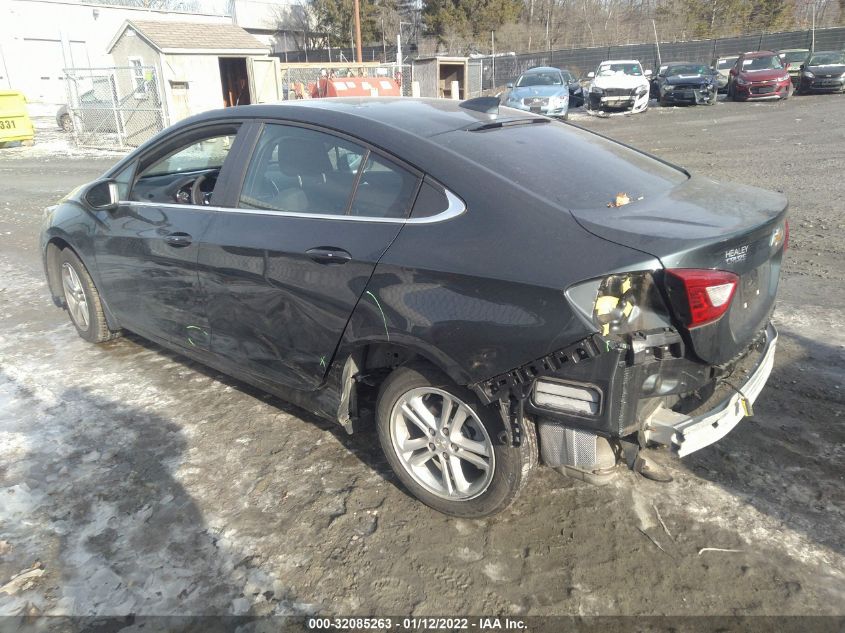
[(199, 66)]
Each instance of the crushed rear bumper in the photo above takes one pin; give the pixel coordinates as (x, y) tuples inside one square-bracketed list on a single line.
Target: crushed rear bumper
[(685, 434)]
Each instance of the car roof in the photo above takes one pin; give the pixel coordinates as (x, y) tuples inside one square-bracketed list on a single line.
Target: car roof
[(758, 54), (620, 61), (402, 116), (684, 64)]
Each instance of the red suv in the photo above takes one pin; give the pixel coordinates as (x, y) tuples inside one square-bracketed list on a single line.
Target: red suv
[(760, 75)]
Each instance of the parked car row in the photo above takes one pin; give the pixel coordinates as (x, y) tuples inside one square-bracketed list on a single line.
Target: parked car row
[(623, 84)]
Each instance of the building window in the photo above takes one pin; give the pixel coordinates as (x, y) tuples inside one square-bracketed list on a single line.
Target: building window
[(137, 65)]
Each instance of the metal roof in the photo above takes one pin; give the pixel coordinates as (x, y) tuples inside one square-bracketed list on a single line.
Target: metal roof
[(193, 37)]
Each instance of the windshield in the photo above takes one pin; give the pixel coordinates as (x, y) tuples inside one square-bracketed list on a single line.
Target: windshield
[(770, 62), (726, 63), (628, 68), (539, 79), (687, 69), (795, 56), (827, 59)]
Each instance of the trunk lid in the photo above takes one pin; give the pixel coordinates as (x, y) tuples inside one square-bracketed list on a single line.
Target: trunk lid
[(707, 225)]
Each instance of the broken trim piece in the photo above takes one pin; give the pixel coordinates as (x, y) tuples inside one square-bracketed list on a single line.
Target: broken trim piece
[(518, 382)]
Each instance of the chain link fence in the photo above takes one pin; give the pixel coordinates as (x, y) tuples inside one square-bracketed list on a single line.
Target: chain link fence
[(501, 69), (300, 81), (113, 107)]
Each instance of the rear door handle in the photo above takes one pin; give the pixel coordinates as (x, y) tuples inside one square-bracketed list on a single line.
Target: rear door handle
[(179, 240), (329, 255)]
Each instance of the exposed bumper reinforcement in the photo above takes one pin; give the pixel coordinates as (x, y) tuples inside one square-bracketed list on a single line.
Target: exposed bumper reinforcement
[(686, 434)]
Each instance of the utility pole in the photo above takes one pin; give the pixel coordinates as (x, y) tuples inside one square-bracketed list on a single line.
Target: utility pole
[(657, 44), (399, 43), (813, 37), (493, 55), (357, 9)]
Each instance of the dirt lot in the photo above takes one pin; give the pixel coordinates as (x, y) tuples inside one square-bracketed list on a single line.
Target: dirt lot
[(133, 481)]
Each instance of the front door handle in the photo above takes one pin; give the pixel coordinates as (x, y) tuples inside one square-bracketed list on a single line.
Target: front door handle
[(328, 255), (179, 240)]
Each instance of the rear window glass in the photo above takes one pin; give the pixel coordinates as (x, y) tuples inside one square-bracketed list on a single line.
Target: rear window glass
[(565, 165)]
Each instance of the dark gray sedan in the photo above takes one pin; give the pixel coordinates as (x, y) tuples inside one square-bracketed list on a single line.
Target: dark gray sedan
[(823, 72), (479, 285)]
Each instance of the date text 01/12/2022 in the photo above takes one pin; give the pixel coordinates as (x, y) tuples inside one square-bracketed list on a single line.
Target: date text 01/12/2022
[(417, 623)]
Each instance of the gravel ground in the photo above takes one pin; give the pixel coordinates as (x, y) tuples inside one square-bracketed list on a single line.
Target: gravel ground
[(134, 481)]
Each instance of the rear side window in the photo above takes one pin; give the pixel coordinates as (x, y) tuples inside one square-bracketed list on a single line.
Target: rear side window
[(431, 200), (565, 165), (384, 191), (299, 170)]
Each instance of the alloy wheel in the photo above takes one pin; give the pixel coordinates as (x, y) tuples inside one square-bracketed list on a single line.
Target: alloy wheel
[(77, 303), (442, 444)]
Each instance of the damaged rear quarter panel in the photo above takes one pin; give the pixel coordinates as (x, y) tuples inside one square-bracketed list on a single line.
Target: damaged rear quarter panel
[(483, 293)]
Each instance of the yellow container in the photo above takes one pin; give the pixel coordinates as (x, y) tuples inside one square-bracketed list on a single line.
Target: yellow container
[(14, 118)]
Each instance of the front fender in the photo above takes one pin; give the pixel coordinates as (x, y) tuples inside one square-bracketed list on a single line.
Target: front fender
[(71, 225)]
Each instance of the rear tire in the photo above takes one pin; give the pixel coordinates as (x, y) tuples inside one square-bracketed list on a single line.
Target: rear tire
[(82, 300), (66, 123), (460, 463)]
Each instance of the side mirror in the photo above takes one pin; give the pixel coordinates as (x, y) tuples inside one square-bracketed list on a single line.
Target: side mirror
[(509, 86), (591, 75), (648, 73), (786, 65), (103, 195)]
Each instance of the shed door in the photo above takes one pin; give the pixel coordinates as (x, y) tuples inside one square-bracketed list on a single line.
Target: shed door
[(264, 79)]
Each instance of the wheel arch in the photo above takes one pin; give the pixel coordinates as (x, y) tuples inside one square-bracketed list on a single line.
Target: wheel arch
[(53, 249), (361, 367)]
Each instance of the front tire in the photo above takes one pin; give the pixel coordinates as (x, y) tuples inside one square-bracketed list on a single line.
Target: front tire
[(82, 299), (66, 123), (448, 450)]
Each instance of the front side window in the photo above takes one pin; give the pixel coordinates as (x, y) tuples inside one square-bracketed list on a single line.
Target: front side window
[(209, 153), (186, 174), (124, 180), (300, 170)]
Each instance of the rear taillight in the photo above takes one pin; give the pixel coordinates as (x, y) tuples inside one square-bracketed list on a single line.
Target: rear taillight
[(709, 293), (785, 235)]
